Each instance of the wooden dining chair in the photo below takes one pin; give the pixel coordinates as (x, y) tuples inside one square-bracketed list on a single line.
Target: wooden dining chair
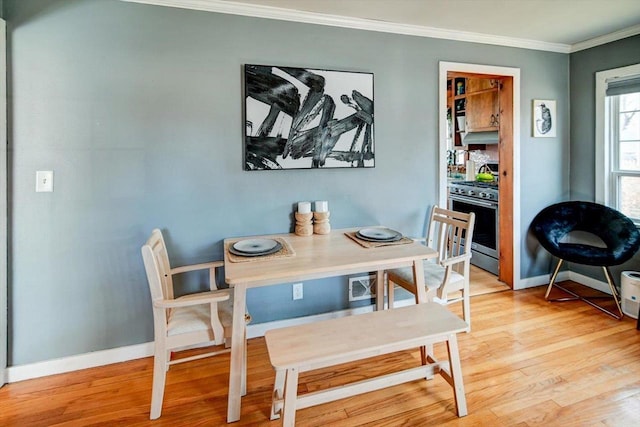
[(450, 233), (198, 319)]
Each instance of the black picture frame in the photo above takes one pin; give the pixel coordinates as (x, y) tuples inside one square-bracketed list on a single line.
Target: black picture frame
[(307, 118)]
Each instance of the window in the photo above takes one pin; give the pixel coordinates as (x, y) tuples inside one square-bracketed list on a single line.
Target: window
[(624, 146), (618, 140)]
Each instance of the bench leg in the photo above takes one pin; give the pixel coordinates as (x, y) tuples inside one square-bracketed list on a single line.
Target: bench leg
[(427, 356), (278, 394), (290, 396), (456, 375)]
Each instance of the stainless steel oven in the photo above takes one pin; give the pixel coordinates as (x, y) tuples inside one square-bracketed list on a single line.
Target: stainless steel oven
[(481, 199)]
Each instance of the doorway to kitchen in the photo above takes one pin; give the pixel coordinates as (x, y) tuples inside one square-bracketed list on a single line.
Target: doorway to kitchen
[(497, 88)]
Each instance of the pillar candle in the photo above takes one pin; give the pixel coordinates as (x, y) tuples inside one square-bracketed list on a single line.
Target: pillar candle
[(322, 206), (304, 207)]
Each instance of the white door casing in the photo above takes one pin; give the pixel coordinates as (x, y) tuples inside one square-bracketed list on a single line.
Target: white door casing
[(446, 67)]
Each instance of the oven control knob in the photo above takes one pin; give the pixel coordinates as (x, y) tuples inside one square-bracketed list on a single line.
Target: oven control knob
[(471, 193), (484, 195)]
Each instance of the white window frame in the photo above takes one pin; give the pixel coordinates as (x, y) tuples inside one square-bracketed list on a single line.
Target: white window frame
[(606, 188)]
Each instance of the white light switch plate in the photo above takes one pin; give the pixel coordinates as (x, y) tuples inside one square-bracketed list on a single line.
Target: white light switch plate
[(44, 181)]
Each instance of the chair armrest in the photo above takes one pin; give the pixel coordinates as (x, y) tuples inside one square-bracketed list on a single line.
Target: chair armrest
[(194, 267), (193, 299), (455, 260)]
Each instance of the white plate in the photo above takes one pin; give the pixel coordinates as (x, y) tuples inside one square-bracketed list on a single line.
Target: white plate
[(367, 239), (379, 234), (255, 246), (257, 254)]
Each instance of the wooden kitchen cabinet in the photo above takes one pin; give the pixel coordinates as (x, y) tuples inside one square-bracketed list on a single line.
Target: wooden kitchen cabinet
[(482, 105), (476, 103)]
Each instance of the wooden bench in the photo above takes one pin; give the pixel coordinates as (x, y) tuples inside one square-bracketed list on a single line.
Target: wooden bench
[(318, 345)]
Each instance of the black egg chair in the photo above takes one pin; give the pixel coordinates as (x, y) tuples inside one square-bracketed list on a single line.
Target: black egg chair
[(618, 232)]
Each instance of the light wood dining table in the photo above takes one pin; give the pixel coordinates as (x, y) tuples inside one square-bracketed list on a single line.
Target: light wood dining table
[(315, 257)]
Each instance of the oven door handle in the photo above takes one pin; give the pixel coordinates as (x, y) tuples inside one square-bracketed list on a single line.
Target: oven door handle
[(475, 201)]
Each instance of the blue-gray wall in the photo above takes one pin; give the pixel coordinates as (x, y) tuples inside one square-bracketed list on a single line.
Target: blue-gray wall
[(138, 111), (583, 67)]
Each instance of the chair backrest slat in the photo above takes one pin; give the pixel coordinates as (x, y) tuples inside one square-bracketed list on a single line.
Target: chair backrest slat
[(448, 230), (153, 273), (156, 264), (159, 250), (156, 285)]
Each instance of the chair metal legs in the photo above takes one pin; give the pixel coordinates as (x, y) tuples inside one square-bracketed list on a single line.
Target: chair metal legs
[(574, 296), (614, 293), (553, 279)]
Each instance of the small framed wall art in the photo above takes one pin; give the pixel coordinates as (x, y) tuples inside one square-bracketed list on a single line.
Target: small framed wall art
[(544, 118), (303, 118)]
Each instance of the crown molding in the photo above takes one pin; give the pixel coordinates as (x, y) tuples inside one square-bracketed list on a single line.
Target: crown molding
[(607, 38), (270, 12)]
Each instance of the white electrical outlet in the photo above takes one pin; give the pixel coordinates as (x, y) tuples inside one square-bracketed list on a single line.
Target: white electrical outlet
[(297, 291)]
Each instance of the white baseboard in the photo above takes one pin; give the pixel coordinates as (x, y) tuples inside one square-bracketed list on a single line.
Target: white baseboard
[(565, 275), (590, 282), (532, 282), (138, 351), (78, 361)]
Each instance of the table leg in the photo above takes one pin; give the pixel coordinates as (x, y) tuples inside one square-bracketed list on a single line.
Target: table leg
[(380, 290), (278, 394), (421, 297), (238, 349)]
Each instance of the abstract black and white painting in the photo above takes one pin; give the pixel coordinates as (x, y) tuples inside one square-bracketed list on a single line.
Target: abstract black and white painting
[(301, 118), (544, 118)]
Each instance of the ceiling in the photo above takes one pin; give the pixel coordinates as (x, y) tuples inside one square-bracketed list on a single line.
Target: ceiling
[(564, 22)]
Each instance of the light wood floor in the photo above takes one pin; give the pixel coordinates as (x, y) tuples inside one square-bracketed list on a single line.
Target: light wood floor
[(482, 282), (527, 362)]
